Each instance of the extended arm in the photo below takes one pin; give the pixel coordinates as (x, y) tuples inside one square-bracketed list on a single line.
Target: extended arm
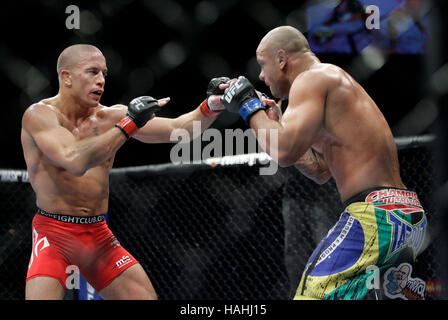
[(189, 125), (159, 130)]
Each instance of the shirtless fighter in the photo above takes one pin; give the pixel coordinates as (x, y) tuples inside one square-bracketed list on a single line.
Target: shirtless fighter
[(69, 143), (332, 128)]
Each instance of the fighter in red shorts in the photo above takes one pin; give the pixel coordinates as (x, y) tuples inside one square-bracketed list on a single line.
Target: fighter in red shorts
[(69, 143)]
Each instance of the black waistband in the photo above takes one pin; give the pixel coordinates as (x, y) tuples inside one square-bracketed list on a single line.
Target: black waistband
[(385, 194), (72, 219)]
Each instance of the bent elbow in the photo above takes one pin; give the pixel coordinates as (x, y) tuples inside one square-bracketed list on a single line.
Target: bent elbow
[(285, 160), (284, 164), (322, 178), (73, 164), (76, 169), (78, 172)]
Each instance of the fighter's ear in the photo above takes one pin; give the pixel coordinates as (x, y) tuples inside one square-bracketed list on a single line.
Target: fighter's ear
[(281, 58), (65, 78)]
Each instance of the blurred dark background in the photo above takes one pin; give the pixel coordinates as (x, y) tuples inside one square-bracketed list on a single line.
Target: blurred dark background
[(172, 48)]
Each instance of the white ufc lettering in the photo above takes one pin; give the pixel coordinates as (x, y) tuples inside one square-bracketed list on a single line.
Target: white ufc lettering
[(229, 96), (137, 103), (36, 242)]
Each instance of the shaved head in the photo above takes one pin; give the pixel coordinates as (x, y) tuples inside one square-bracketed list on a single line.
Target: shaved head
[(285, 37), (70, 56), (282, 54)]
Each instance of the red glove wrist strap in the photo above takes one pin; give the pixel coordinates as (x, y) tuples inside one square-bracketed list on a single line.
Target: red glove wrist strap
[(127, 126), (206, 110)]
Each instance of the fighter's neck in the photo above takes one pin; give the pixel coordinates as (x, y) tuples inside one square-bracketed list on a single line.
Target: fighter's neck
[(72, 108), (304, 62)]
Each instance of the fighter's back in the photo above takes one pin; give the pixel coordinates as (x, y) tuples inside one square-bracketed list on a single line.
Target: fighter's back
[(356, 140)]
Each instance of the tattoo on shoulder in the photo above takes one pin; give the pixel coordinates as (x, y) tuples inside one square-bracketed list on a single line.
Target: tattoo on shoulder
[(96, 131)]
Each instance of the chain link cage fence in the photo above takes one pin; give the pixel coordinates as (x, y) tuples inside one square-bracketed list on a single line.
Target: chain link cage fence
[(217, 232)]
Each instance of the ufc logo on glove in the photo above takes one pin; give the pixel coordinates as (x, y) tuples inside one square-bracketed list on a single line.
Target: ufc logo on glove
[(231, 93)]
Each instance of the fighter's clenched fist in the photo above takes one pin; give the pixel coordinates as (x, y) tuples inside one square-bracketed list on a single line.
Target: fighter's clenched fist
[(140, 110), (241, 97)]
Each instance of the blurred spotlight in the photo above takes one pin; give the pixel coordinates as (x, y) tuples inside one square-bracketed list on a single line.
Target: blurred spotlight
[(439, 80), (370, 60), (212, 65), (36, 82), (169, 12), (15, 69), (141, 80), (417, 120), (172, 54), (113, 60), (112, 8), (265, 14), (373, 58), (206, 12), (297, 19), (89, 23), (27, 77)]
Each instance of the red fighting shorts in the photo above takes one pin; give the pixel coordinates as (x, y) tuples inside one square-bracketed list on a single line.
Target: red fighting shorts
[(63, 243)]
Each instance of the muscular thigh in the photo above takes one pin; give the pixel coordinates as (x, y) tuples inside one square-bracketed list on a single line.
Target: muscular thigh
[(132, 284)]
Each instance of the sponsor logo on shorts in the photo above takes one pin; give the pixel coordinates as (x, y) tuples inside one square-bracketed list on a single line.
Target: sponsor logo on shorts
[(393, 199), (73, 219), (405, 235), (123, 261), (339, 250), (398, 283), (38, 245), (335, 244)]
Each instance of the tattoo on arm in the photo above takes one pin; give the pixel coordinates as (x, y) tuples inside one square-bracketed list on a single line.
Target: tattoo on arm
[(96, 131), (314, 167)]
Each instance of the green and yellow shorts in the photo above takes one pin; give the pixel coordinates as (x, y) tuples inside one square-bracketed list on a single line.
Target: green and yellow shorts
[(379, 228)]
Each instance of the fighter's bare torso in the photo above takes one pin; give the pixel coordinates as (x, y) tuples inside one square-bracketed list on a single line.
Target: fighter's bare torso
[(57, 190), (356, 159)]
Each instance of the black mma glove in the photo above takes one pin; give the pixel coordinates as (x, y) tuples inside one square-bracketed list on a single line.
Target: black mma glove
[(241, 98), (139, 112), (213, 89)]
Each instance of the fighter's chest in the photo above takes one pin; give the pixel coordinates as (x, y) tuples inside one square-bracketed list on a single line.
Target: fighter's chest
[(89, 127)]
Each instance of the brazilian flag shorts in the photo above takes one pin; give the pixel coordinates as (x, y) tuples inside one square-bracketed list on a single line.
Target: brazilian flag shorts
[(368, 254)]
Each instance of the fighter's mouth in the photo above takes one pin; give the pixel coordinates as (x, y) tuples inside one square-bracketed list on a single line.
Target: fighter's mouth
[(97, 92)]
